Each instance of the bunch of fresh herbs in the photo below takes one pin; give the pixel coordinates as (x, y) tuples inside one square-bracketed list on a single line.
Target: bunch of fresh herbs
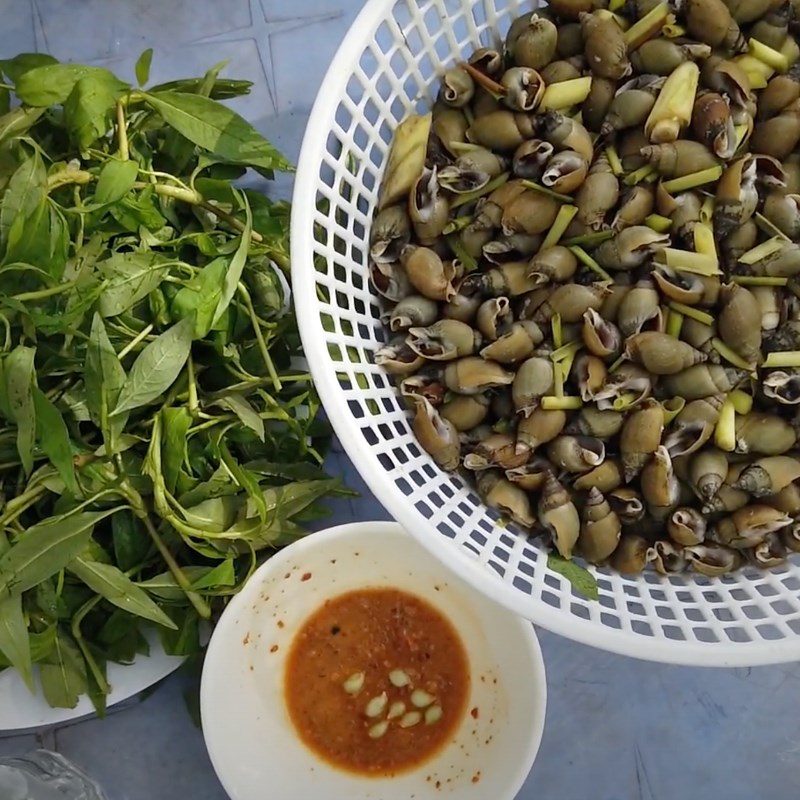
[(158, 429)]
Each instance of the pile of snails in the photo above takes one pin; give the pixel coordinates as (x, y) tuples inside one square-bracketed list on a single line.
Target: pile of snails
[(588, 254)]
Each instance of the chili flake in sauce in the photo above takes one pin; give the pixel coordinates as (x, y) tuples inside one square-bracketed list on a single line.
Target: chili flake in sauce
[(376, 681)]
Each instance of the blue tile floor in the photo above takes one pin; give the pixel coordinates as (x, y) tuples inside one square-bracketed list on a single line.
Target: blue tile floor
[(617, 728)]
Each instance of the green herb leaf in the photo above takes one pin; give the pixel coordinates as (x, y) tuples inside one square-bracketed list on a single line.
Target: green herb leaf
[(20, 378), (131, 544), (248, 416), (216, 128), (53, 437), (46, 548), (186, 640), (224, 574), (201, 296), (25, 191), (116, 179), (16, 67), (17, 122), (246, 480), (63, 674), (104, 378), (14, 642), (157, 367), (234, 274), (177, 422), (51, 84), (142, 68), (88, 108), (118, 589), (581, 579), (131, 277)]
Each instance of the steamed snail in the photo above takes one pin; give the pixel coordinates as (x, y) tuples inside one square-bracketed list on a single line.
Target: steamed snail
[(589, 255)]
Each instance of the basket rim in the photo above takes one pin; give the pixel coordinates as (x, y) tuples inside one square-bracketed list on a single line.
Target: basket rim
[(480, 576)]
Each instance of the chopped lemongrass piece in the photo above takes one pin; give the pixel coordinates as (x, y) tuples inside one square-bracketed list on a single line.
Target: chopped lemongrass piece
[(613, 160), (399, 678), (693, 180), (396, 709), (468, 261), (673, 31), (625, 401), (769, 227), (565, 94), (378, 729), (742, 402), (761, 251), (759, 280), (658, 223), (674, 323), (694, 313), (741, 131), (469, 197), (463, 147), (564, 198), (376, 705), (355, 683), (558, 379), (433, 715), (421, 699), (618, 363), (588, 261), (458, 224), (562, 221), (647, 27), (730, 355), (566, 365), (570, 348), (588, 239), (672, 408), (765, 54), (704, 241), (555, 325), (410, 719), (615, 5), (782, 358), (725, 432), (707, 210), (687, 261), (638, 175), (758, 73), (566, 403)]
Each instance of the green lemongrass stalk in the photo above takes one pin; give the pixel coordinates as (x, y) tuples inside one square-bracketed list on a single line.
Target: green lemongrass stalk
[(768, 227), (694, 313), (613, 160), (658, 223), (471, 197), (730, 355), (564, 198), (766, 55), (782, 358), (742, 402), (638, 175), (725, 431), (564, 94), (588, 261), (555, 325), (674, 323), (761, 251), (693, 180), (759, 280), (566, 403), (588, 239), (564, 217), (688, 261), (647, 27)]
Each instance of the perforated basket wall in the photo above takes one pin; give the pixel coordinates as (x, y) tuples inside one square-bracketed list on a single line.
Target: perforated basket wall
[(389, 66)]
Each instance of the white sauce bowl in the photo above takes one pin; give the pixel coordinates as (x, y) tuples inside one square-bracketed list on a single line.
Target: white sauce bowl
[(251, 740)]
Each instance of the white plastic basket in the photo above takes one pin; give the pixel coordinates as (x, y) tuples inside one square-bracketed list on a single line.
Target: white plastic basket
[(388, 66)]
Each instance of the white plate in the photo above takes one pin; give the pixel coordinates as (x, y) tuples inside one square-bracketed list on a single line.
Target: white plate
[(249, 735), (19, 709)]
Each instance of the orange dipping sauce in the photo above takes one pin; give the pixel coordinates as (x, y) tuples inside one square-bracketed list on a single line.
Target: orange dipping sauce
[(377, 681)]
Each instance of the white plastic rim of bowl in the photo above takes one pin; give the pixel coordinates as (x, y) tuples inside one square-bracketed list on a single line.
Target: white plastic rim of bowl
[(250, 738), (751, 617)]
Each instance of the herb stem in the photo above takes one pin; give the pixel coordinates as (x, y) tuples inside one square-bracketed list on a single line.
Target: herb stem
[(122, 132), (41, 294), (194, 404), (143, 334), (262, 345), (195, 599), (102, 683)]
